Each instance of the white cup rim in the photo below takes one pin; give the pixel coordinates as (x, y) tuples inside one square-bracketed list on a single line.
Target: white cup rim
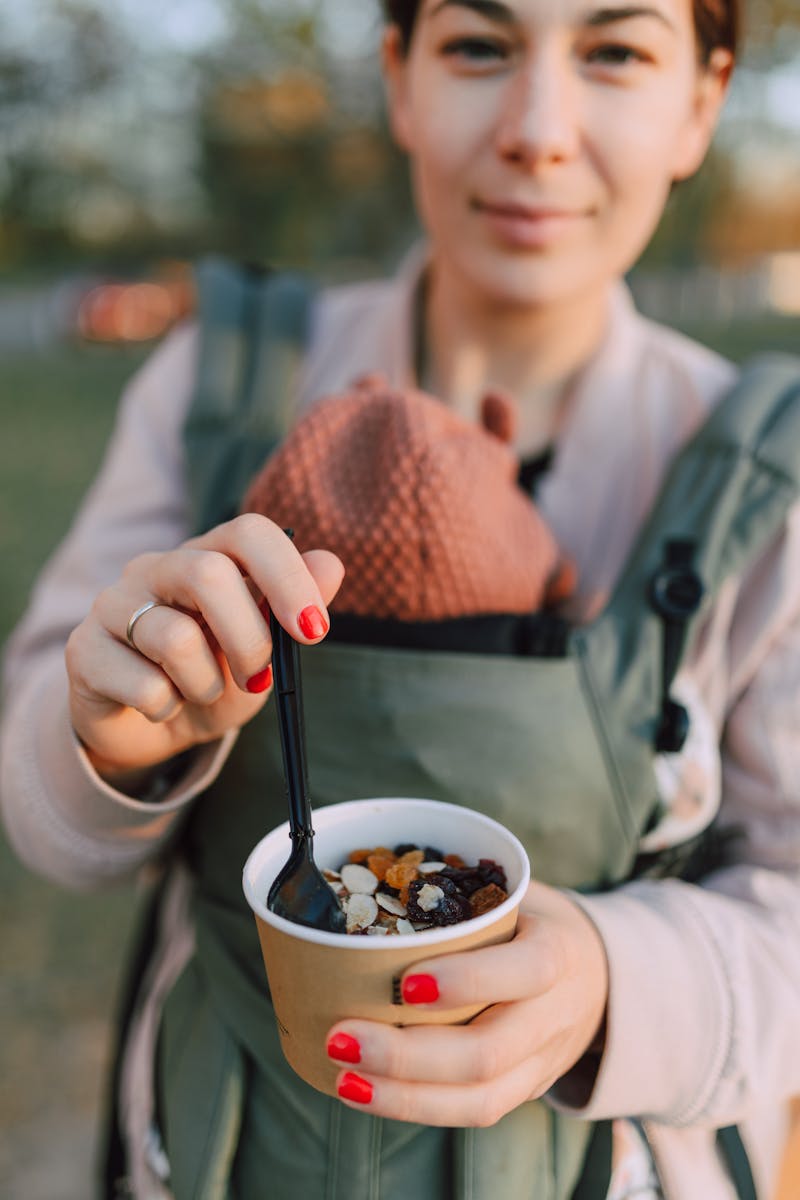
[(434, 937)]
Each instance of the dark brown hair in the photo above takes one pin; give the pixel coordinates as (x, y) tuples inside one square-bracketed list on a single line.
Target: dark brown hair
[(716, 23)]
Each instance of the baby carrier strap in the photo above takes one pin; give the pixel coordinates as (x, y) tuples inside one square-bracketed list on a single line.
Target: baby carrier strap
[(729, 489), (253, 329), (724, 500)]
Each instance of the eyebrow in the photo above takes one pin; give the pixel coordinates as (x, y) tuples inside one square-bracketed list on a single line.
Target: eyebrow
[(493, 10), (607, 16)]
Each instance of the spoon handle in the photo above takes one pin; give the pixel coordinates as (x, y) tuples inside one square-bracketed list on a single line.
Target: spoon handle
[(289, 698)]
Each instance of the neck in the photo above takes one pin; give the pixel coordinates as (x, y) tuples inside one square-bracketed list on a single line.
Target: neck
[(472, 344)]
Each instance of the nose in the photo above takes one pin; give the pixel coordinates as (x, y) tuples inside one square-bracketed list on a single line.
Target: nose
[(539, 121)]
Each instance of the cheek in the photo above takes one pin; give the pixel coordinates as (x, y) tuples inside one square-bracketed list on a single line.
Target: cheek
[(637, 145), (447, 132)]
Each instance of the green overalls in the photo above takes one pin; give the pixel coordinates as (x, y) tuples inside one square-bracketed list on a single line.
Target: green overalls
[(558, 749)]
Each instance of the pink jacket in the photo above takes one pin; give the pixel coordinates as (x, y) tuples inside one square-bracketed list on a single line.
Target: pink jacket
[(704, 1010)]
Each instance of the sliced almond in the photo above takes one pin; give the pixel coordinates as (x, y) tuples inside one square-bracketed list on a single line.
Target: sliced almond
[(359, 879), (430, 868), (391, 904), (404, 926), (378, 930), (360, 911)]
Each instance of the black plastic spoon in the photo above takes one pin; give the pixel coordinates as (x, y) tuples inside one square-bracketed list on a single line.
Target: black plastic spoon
[(300, 892)]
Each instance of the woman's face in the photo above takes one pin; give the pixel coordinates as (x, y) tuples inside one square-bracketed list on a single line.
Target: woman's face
[(544, 135)]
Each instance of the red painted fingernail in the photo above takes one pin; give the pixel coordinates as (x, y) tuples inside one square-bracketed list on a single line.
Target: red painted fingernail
[(344, 1048), (420, 989), (312, 623), (261, 681), (353, 1087)]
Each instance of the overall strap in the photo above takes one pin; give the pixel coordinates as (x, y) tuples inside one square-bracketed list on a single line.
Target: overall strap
[(596, 1172), (253, 329), (730, 488), (725, 499), (731, 1146)]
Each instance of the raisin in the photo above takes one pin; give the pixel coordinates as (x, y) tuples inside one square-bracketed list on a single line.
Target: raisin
[(451, 909), (467, 879), (486, 898), (404, 848), (379, 865), (492, 872), (432, 854), (412, 856), (400, 874)]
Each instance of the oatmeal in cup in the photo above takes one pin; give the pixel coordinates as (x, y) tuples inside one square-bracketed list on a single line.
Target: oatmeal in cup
[(318, 978)]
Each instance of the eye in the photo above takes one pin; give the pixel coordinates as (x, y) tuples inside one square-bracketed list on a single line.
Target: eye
[(475, 50), (616, 54)]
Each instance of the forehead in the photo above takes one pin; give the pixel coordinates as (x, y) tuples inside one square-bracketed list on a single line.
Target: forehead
[(561, 12)]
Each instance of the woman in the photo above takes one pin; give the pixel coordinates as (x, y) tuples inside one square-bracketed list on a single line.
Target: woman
[(543, 140)]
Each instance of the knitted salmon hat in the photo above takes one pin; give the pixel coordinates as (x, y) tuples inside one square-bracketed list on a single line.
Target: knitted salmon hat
[(422, 506)]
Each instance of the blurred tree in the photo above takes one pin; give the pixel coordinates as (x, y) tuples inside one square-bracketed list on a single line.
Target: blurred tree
[(296, 159), (268, 139), (44, 85)]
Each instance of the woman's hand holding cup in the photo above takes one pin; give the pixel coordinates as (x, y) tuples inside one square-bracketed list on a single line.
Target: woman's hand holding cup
[(546, 992)]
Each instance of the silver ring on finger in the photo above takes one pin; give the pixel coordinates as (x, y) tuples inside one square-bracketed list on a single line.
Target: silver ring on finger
[(135, 616)]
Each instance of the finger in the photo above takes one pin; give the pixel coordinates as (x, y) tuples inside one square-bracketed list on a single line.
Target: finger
[(102, 670), (517, 970), (456, 1106), (261, 549), (174, 641), (209, 588), (490, 1045)]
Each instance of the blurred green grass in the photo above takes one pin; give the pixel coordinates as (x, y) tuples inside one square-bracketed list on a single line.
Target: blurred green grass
[(57, 409), (62, 952)]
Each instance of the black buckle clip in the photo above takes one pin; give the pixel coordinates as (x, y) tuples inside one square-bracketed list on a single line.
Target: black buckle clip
[(676, 593)]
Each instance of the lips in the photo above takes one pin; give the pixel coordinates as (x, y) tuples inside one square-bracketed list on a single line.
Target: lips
[(529, 212), (529, 228)]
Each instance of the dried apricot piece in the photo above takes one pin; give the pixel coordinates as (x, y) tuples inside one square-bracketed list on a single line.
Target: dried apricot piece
[(401, 874), (379, 864)]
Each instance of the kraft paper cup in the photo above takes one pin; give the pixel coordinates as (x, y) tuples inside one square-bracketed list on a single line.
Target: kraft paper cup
[(318, 978)]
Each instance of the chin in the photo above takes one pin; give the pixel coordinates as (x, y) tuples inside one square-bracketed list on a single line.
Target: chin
[(525, 280)]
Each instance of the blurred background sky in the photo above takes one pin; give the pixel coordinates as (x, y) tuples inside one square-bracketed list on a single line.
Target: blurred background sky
[(137, 135)]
